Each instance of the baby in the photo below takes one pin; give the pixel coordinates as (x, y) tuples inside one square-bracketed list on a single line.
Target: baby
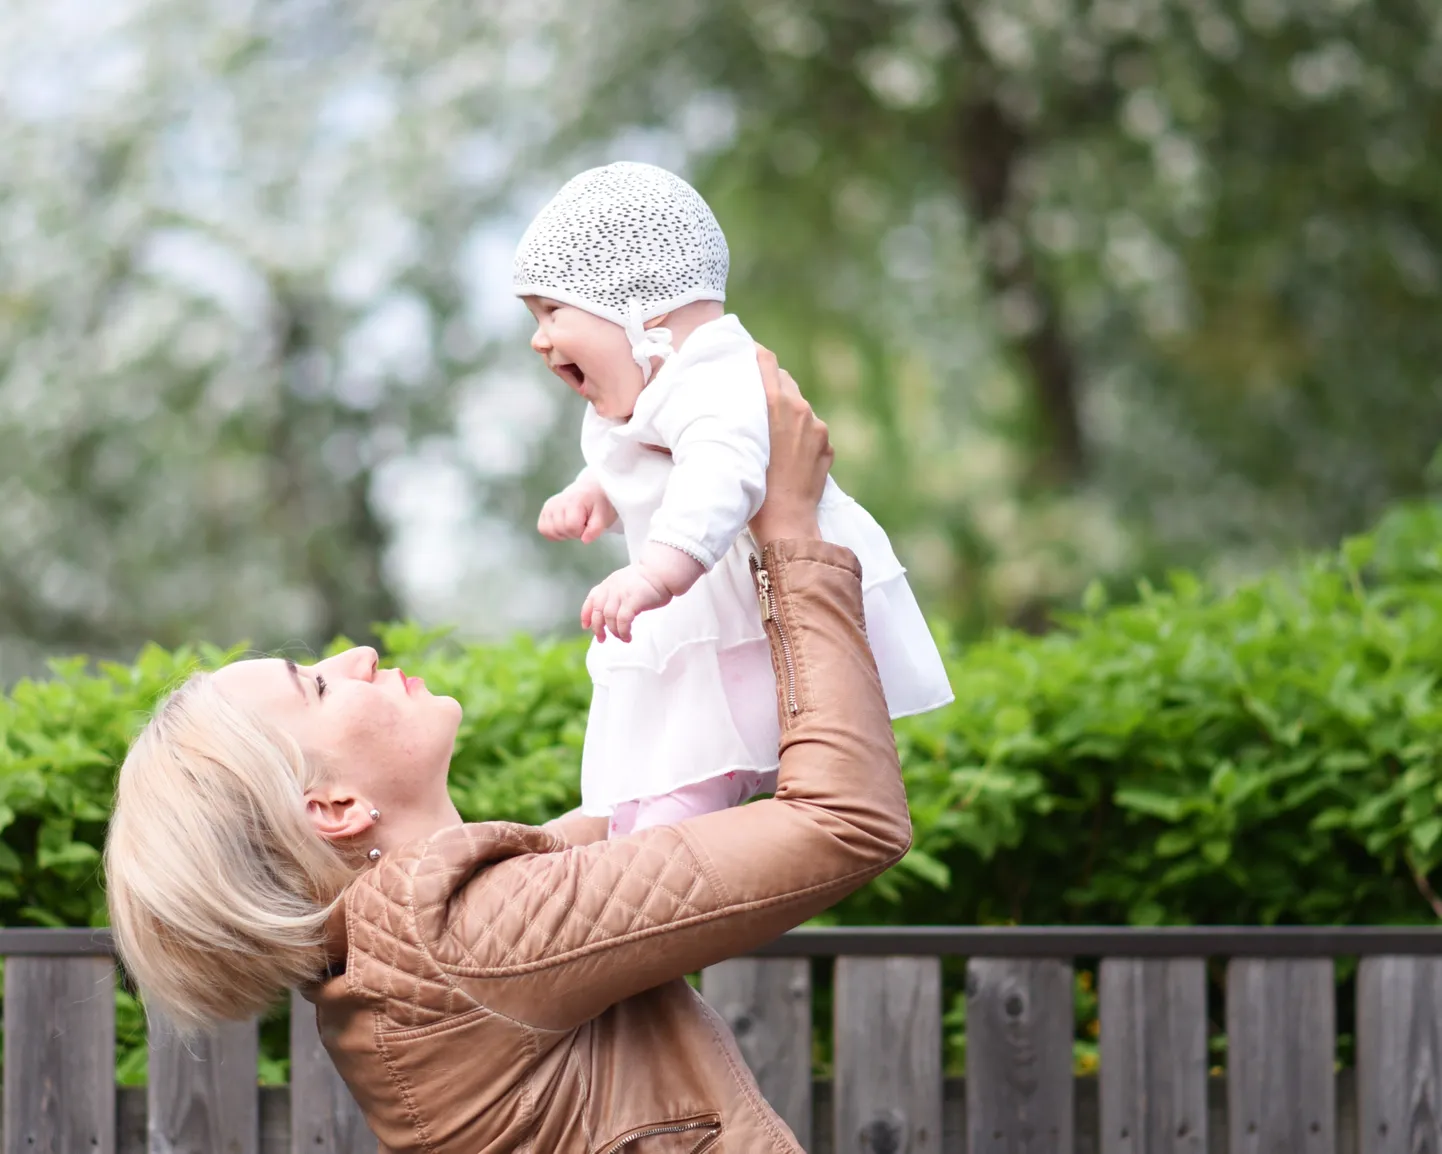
[(625, 273)]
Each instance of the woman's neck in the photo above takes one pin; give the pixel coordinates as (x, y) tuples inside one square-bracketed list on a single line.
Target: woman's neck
[(407, 824)]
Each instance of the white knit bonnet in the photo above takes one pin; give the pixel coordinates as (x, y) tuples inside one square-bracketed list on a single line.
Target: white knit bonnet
[(626, 242)]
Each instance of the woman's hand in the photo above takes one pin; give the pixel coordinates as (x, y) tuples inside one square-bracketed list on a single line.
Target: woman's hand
[(801, 458)]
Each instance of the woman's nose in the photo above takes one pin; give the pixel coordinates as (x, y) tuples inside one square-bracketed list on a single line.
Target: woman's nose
[(359, 662)]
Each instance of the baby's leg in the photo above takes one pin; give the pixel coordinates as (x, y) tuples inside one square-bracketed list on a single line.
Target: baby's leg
[(623, 819), (709, 796)]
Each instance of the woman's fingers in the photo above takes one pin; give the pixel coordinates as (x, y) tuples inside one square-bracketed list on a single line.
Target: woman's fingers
[(800, 456)]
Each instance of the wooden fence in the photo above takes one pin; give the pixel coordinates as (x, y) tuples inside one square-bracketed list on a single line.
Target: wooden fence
[(1282, 1092)]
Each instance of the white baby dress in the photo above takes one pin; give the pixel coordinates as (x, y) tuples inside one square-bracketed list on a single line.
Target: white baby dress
[(693, 695)]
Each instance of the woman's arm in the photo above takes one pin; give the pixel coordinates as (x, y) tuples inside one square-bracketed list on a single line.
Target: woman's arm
[(553, 939)]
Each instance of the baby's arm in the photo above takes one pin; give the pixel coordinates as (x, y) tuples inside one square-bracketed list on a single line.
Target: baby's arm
[(714, 423), (615, 602)]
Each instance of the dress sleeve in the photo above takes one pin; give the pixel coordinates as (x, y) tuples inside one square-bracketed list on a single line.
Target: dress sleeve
[(714, 421)]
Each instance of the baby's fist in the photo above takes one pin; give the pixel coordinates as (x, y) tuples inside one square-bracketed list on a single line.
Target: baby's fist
[(615, 602), (579, 510)]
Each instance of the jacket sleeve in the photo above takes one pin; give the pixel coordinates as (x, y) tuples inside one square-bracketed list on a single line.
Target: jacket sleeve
[(553, 939), (576, 828)]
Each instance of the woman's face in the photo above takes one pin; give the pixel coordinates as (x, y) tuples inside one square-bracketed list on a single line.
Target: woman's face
[(380, 736)]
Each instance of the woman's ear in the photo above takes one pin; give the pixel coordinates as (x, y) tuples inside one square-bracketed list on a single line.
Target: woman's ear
[(337, 816)]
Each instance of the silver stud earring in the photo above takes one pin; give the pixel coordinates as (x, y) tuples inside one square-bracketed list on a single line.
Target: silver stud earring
[(375, 815), (375, 854)]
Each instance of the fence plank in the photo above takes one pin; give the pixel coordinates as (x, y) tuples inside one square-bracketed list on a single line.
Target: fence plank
[(324, 1118), (767, 1004), (203, 1094), (59, 1089), (1399, 1055), (888, 1056), (1153, 1056), (1019, 1086), (1281, 1047)]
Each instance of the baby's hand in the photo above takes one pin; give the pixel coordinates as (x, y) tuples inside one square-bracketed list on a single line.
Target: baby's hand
[(581, 510), (615, 602)]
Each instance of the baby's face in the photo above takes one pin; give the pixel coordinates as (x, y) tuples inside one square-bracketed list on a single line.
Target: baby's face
[(590, 354)]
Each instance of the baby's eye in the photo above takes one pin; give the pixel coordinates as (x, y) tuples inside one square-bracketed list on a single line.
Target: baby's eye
[(319, 685)]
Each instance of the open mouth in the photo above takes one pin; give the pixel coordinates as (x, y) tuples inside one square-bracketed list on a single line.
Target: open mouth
[(571, 374)]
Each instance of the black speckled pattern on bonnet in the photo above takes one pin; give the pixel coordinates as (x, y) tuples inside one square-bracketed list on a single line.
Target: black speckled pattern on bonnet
[(624, 232)]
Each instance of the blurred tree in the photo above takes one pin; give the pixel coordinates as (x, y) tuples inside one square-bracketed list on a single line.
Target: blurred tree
[(231, 300), (1207, 230), (1079, 285)]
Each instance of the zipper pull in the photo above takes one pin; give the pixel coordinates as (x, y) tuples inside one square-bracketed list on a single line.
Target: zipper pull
[(763, 587)]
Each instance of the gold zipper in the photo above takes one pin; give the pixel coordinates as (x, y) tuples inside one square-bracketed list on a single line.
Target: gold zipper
[(679, 1128), (768, 613)]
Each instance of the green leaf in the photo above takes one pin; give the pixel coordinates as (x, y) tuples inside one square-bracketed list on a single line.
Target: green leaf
[(926, 867), (1150, 802), (1424, 834), (1217, 850)]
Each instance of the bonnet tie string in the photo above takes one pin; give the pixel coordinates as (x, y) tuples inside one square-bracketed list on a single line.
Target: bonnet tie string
[(646, 343)]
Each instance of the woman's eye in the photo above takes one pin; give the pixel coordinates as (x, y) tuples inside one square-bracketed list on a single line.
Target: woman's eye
[(319, 685)]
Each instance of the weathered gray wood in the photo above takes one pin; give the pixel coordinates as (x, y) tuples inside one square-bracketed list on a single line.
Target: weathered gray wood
[(130, 1111), (275, 1117), (767, 1004), (1399, 1055), (324, 1118), (1019, 1092), (888, 1056), (202, 1092), (1153, 1056), (59, 1093), (1281, 1057)]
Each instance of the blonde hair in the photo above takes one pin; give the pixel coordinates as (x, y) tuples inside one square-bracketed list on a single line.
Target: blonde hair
[(218, 885)]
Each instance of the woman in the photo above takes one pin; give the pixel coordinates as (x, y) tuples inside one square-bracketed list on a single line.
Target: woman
[(497, 986)]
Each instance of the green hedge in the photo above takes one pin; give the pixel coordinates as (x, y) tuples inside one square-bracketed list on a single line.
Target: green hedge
[(1268, 754)]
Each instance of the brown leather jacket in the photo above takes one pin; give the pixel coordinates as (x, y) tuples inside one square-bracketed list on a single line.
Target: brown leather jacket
[(502, 987)]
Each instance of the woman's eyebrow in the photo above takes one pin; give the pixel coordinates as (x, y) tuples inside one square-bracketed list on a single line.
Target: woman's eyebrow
[(290, 668)]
